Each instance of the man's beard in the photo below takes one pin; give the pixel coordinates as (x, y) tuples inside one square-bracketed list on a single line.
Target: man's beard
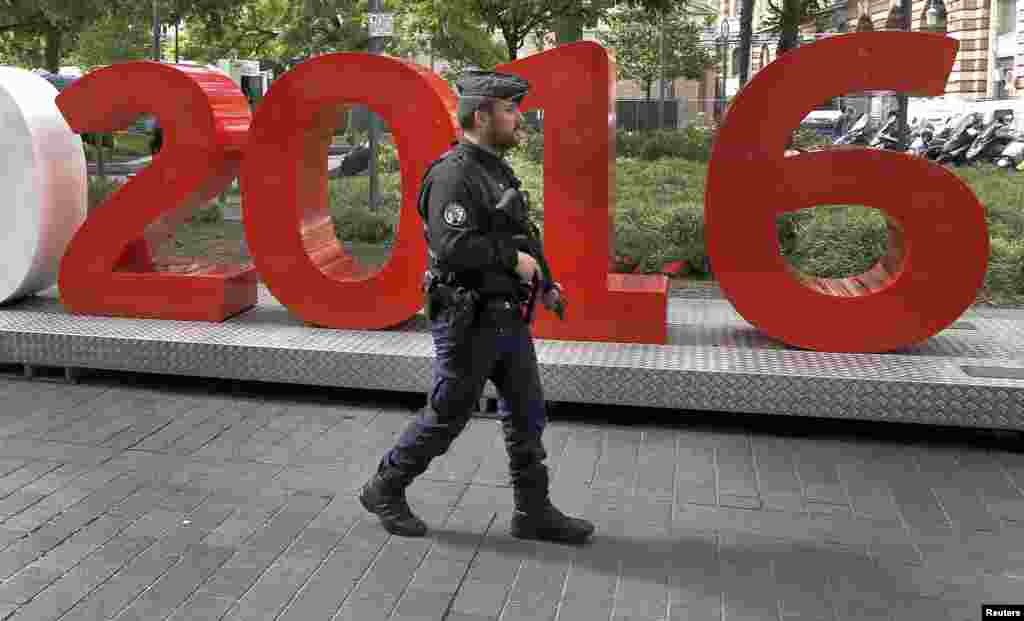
[(504, 142)]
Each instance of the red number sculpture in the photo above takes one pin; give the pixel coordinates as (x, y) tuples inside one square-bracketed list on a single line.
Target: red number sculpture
[(108, 267), (938, 248), (575, 85), (284, 180)]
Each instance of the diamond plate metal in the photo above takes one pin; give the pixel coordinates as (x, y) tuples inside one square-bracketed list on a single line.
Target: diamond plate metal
[(714, 361)]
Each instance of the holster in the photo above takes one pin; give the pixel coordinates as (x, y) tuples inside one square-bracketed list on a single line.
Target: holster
[(462, 305)]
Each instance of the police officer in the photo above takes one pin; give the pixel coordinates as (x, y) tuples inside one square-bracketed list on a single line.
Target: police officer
[(475, 303)]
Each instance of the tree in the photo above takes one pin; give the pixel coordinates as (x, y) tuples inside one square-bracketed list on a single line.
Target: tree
[(633, 35), (255, 29), (517, 20), (113, 39), (447, 29), (41, 33), (784, 20)]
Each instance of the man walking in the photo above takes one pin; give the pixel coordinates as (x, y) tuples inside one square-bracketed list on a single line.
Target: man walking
[(478, 289)]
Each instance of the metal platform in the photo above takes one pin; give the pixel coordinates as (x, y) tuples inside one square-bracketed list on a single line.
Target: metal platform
[(969, 375)]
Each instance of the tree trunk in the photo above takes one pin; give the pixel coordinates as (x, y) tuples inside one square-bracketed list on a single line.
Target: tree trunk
[(512, 48), (746, 34), (53, 49), (789, 38), (568, 29)]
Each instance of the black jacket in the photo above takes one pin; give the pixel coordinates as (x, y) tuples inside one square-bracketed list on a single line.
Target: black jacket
[(457, 202)]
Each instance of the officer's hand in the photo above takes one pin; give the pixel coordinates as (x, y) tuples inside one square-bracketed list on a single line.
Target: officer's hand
[(526, 267)]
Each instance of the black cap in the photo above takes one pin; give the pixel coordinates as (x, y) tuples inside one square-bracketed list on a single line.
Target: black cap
[(477, 84)]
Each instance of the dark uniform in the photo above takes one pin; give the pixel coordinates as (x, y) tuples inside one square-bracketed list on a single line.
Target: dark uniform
[(476, 310)]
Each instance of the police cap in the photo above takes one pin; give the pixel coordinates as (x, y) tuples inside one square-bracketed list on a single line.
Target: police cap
[(479, 84)]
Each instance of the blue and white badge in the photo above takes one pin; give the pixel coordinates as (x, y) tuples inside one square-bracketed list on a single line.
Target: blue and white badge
[(455, 215)]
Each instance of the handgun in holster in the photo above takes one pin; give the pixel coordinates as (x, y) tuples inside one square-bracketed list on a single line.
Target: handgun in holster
[(443, 296)]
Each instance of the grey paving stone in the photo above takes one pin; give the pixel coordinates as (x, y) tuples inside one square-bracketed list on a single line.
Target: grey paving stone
[(51, 535), (983, 470), (174, 587), (165, 437), (29, 472), (735, 467), (63, 594), (122, 589), (616, 467), (202, 607), (578, 464), (749, 591), (695, 471), (17, 502), (422, 605), (24, 585), (274, 589), (775, 467), (590, 587), (204, 433), (489, 581), (335, 579), (656, 464), (801, 577), (816, 467)]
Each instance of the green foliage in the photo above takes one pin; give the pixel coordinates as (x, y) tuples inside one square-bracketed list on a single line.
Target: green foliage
[(99, 189), (448, 30), (836, 241), (209, 214), (628, 143), (784, 18), (1004, 280), (244, 29), (805, 138), (691, 143), (533, 147), (634, 34), (113, 39), (353, 221)]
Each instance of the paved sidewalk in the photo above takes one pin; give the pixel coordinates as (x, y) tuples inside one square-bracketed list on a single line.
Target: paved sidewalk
[(192, 503)]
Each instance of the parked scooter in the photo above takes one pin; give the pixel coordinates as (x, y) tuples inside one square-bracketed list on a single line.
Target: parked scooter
[(889, 137), (989, 145), (954, 150), (856, 135), (1012, 157)]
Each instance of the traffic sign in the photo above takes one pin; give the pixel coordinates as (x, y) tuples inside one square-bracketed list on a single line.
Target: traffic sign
[(382, 24)]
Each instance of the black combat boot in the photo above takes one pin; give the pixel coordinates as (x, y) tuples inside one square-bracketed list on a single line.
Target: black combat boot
[(536, 518), (384, 495)]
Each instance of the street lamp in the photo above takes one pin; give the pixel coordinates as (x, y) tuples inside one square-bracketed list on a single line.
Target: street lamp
[(935, 15), (723, 30)]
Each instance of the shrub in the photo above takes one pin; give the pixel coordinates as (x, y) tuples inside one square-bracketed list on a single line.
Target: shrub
[(629, 144), (99, 189), (210, 214), (684, 234), (805, 138), (1004, 280), (692, 143), (353, 220), (838, 241), (532, 148)]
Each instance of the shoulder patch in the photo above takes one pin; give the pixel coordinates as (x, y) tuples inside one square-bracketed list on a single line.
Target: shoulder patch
[(454, 215)]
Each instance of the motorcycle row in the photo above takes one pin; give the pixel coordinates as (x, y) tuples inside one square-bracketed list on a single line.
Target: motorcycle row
[(963, 139)]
